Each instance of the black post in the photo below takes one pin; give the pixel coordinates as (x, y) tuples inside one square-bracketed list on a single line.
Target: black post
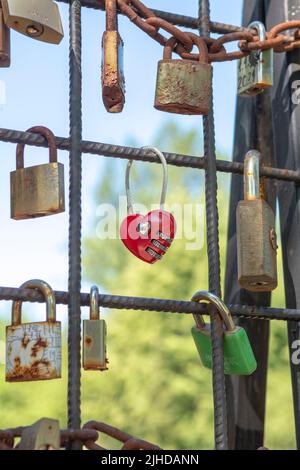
[(286, 120), (247, 395)]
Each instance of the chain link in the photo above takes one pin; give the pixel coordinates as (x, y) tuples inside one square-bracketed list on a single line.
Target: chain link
[(147, 21), (88, 436)]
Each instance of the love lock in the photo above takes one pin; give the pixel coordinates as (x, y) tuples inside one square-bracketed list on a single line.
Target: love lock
[(238, 355), (148, 237)]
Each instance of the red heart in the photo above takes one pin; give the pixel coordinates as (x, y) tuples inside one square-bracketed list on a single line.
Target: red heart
[(148, 237)]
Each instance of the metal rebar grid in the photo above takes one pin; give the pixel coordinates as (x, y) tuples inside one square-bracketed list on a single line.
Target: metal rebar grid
[(168, 306), (176, 19), (138, 154), (74, 335), (213, 251), (75, 299)]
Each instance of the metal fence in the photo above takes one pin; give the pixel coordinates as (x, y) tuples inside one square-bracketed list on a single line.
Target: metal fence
[(284, 170)]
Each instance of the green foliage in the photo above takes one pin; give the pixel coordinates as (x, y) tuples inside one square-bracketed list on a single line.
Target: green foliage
[(155, 387)]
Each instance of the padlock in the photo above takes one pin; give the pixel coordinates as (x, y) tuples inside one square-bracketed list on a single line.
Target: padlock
[(33, 350), (148, 237), (255, 71), (184, 86), (94, 352), (38, 19), (256, 234), (113, 79), (238, 355), (42, 435), (4, 42), (38, 190)]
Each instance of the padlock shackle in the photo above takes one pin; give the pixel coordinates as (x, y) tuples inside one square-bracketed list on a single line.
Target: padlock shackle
[(197, 41), (111, 15), (49, 136), (260, 28), (48, 293), (220, 306), (252, 176), (165, 180), (94, 303), (199, 320)]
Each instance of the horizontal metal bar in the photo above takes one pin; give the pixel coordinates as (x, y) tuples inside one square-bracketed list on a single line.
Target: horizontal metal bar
[(133, 153), (178, 20), (152, 305)]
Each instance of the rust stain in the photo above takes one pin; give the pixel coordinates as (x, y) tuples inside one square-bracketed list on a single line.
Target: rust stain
[(40, 344), (88, 341), (38, 370)]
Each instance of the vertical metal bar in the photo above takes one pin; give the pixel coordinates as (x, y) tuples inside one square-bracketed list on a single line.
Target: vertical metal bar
[(74, 372), (246, 396), (212, 222), (286, 118)]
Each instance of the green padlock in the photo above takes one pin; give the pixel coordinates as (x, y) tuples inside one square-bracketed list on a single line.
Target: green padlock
[(238, 355)]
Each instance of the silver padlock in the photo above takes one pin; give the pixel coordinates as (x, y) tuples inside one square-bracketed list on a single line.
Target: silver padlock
[(255, 72), (94, 352), (38, 19), (33, 350)]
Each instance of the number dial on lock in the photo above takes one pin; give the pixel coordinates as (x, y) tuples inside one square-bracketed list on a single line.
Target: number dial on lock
[(148, 237)]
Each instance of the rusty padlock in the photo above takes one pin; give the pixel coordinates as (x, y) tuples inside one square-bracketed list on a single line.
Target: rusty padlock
[(113, 79), (256, 235), (4, 42), (38, 190), (33, 350), (184, 86), (42, 435), (94, 336), (38, 19)]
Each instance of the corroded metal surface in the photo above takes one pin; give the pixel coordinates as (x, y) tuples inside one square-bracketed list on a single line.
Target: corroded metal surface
[(33, 352)]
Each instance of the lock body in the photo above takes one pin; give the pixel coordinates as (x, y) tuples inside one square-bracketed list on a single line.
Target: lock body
[(33, 351), (183, 87), (42, 435), (37, 191), (238, 355), (113, 78), (94, 345), (4, 42), (39, 19), (256, 246), (255, 72)]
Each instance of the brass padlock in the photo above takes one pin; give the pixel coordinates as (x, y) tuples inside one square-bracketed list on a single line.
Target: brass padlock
[(4, 42), (42, 435), (184, 86), (256, 235), (255, 72), (38, 190), (113, 79), (38, 19), (94, 336), (33, 350)]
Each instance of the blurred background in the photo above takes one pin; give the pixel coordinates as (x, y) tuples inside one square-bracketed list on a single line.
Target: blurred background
[(155, 387)]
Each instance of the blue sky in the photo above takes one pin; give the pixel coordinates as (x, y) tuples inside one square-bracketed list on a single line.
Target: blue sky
[(37, 94)]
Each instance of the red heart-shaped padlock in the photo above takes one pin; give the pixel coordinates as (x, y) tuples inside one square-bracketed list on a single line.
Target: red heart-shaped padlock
[(148, 237)]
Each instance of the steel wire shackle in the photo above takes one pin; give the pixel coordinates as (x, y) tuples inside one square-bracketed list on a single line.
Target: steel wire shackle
[(165, 180)]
